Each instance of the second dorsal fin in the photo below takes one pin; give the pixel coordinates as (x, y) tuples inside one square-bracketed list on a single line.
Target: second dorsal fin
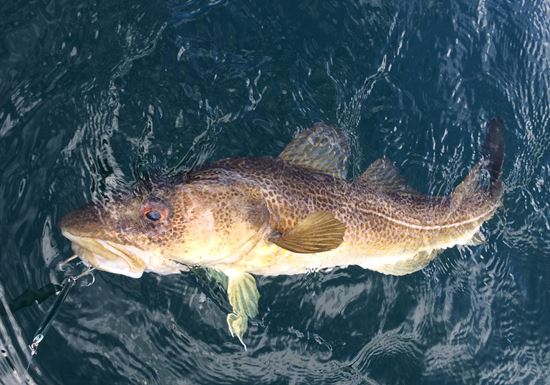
[(320, 148), (383, 175)]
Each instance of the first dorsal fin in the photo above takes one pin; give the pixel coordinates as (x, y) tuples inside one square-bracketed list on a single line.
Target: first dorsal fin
[(383, 175), (320, 148), (317, 233)]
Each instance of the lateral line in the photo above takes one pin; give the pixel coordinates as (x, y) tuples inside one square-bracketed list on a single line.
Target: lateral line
[(429, 227)]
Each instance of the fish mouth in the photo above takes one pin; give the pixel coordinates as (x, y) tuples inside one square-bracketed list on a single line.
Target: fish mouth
[(109, 256)]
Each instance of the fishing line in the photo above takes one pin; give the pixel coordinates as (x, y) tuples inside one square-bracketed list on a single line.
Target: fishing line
[(32, 296), (67, 285)]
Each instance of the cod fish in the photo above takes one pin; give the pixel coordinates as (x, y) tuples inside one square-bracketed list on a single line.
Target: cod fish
[(291, 214)]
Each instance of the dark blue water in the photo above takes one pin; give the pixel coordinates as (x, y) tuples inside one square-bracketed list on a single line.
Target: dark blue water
[(94, 94)]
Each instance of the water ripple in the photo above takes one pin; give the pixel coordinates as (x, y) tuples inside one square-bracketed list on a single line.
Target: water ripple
[(95, 95)]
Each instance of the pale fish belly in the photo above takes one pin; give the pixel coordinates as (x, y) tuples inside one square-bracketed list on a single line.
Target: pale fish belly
[(269, 259)]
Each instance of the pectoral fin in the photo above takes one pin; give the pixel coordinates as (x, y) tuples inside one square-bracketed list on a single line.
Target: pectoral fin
[(318, 232), (243, 297)]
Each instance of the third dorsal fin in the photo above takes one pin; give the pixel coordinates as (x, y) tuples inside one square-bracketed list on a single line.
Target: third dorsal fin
[(383, 175), (320, 148)]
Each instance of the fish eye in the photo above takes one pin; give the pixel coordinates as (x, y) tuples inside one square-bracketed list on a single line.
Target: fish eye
[(155, 210), (153, 215)]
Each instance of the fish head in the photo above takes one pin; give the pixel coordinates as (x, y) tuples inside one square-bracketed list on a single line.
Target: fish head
[(122, 234), (164, 229)]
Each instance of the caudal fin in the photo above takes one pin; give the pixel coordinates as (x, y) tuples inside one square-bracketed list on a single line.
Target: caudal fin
[(493, 150), (492, 159)]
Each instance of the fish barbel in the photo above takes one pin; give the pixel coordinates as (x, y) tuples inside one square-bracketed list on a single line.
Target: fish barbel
[(285, 215)]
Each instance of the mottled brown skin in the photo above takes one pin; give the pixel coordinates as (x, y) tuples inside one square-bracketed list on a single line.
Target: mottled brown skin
[(222, 217), (378, 223), (234, 215)]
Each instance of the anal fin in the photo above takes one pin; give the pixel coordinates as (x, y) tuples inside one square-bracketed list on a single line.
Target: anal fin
[(477, 239), (410, 265)]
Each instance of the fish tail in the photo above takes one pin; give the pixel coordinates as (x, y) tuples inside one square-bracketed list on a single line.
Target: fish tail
[(493, 154), (492, 159)]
